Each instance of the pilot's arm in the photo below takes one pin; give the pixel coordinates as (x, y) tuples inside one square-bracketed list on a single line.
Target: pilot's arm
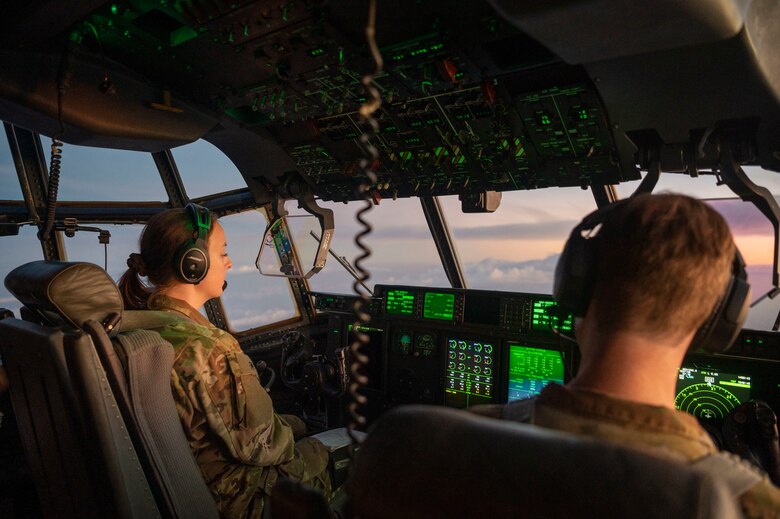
[(225, 385)]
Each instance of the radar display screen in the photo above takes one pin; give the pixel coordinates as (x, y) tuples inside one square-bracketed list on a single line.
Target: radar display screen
[(399, 302), (530, 369), (710, 394), (439, 306), (543, 316), (470, 369)]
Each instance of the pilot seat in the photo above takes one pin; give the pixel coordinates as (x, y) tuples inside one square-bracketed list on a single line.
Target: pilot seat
[(91, 391)]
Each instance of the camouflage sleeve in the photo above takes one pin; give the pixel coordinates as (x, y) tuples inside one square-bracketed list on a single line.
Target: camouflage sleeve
[(236, 407)]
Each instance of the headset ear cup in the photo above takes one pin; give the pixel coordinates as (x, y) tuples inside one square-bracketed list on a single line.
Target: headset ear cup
[(193, 264), (574, 274), (191, 261), (721, 328)]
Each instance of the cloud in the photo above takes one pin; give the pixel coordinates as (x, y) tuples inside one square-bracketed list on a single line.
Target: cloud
[(251, 320), (513, 231), (6, 300), (242, 269), (514, 276)]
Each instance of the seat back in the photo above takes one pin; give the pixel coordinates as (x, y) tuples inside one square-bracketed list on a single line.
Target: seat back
[(75, 442), (135, 366), (432, 462), (147, 361)]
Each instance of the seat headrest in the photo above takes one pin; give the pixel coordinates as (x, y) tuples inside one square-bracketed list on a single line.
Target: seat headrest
[(433, 462), (65, 292)]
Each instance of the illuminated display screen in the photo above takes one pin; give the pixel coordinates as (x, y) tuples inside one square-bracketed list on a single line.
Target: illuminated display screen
[(530, 369), (399, 302), (470, 369), (543, 316), (710, 394), (439, 306)]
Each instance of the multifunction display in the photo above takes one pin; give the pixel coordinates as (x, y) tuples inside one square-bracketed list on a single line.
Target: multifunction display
[(530, 369), (470, 372), (399, 302), (544, 317), (439, 306), (710, 394)]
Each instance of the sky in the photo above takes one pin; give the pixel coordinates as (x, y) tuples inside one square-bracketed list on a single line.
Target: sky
[(513, 249)]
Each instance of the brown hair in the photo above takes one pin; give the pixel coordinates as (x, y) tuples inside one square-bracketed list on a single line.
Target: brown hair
[(163, 235), (664, 261)]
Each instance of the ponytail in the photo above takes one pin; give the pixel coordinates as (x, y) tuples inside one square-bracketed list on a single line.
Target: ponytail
[(135, 294)]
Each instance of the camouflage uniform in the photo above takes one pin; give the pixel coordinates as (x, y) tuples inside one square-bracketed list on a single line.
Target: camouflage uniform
[(240, 444), (645, 427)]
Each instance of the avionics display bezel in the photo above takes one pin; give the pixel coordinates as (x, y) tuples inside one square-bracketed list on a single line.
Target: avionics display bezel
[(530, 345)]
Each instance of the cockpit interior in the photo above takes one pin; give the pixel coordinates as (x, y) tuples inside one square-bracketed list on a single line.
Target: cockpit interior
[(396, 179)]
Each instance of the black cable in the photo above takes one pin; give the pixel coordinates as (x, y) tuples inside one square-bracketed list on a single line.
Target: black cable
[(64, 75), (54, 180), (359, 365)]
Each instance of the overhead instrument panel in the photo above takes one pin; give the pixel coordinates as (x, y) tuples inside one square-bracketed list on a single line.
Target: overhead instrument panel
[(469, 103)]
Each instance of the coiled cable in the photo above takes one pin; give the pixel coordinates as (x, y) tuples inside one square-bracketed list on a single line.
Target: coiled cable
[(360, 360), (63, 84)]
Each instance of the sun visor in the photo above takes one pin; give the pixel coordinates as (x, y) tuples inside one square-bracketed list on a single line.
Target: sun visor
[(132, 114)]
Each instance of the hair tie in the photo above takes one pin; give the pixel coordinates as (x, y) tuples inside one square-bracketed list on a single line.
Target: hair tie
[(136, 262)]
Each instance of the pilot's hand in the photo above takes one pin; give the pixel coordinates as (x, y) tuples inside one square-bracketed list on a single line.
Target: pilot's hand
[(750, 430)]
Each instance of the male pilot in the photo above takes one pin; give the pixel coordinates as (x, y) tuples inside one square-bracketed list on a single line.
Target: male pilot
[(655, 266)]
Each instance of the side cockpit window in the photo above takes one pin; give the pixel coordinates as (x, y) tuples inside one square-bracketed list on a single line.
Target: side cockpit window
[(9, 181), (86, 246), (23, 247), (17, 250), (205, 170), (90, 174)]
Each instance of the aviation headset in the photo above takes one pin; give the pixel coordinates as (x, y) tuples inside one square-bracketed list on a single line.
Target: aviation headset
[(191, 261), (575, 276)]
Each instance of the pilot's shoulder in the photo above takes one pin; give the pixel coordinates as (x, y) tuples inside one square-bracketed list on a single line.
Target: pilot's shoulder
[(761, 501), (759, 497)]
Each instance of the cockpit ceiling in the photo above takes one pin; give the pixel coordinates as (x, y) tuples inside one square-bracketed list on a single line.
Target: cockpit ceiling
[(470, 102)]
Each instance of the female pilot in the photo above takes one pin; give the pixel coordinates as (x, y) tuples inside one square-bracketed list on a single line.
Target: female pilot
[(240, 444)]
